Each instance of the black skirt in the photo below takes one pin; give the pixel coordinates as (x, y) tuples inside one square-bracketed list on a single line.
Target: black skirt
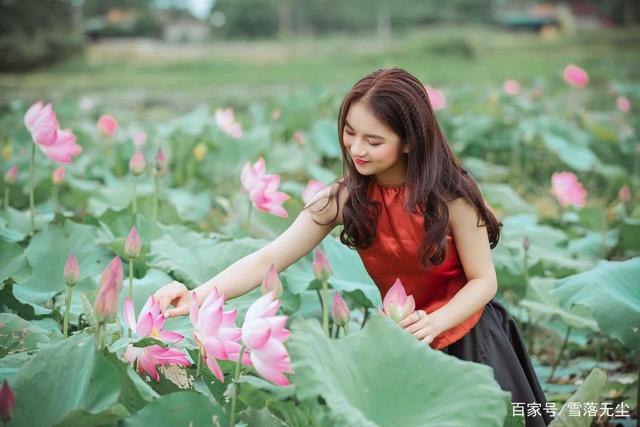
[(496, 341)]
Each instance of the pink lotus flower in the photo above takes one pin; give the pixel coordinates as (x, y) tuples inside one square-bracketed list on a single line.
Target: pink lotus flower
[(150, 322), (266, 198), (511, 87), (64, 148), (321, 267), (161, 163), (436, 97), (312, 188), (623, 104), (215, 332), (147, 358), (58, 176), (139, 138), (7, 402), (252, 174), (107, 125), (137, 163), (12, 175), (575, 76), (106, 303), (57, 144), (567, 189), (625, 193), (271, 282), (298, 137), (132, 245), (226, 121), (71, 271), (275, 114), (42, 123), (263, 333), (396, 304), (340, 312)]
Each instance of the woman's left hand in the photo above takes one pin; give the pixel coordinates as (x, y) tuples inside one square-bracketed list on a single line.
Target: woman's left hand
[(425, 328)]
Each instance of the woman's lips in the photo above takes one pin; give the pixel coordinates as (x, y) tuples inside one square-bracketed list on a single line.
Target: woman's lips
[(361, 162)]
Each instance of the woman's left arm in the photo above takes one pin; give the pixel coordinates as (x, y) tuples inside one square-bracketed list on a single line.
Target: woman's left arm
[(472, 244)]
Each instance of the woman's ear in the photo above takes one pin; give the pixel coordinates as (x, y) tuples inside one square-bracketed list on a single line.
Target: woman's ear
[(405, 149)]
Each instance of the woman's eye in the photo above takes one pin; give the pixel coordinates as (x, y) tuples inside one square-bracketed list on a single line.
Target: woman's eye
[(374, 145), (349, 133)]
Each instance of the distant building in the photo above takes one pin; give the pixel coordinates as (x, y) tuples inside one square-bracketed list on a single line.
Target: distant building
[(186, 29), (544, 17)]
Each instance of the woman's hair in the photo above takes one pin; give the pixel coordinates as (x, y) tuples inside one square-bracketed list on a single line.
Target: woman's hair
[(434, 174)]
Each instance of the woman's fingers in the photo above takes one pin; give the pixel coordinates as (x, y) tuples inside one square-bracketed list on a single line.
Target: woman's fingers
[(409, 320), (170, 294), (181, 309)]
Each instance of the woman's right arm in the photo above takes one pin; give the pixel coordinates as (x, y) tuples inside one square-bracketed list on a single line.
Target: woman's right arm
[(247, 273)]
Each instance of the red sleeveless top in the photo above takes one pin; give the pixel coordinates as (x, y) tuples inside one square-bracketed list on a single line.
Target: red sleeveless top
[(394, 254)]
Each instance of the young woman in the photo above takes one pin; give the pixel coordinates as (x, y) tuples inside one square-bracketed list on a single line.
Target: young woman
[(412, 212)]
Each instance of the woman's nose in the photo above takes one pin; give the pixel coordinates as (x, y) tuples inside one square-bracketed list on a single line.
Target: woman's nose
[(357, 150)]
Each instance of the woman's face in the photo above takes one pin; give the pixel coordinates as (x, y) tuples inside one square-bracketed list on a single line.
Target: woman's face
[(371, 141)]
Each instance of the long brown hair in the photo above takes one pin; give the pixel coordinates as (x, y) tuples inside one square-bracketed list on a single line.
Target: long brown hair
[(434, 174)]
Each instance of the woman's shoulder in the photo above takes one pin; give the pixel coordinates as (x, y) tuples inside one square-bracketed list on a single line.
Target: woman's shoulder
[(327, 201)]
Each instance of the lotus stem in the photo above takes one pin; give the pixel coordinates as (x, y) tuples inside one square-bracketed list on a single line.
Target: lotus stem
[(638, 385), (325, 308), (130, 285), (156, 200), (134, 202), (235, 387), (249, 215), (54, 196), (7, 194), (530, 325), (32, 205), (555, 363), (65, 324), (199, 365), (100, 335)]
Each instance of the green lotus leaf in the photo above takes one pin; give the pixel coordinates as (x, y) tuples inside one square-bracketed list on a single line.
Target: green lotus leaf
[(383, 376), (609, 284)]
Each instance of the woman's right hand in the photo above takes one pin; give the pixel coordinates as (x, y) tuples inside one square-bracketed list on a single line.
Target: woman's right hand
[(176, 294)]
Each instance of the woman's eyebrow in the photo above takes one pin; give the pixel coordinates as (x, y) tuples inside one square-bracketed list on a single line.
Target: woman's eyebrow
[(369, 135)]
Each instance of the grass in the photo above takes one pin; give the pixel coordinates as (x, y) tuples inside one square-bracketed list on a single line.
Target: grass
[(238, 71)]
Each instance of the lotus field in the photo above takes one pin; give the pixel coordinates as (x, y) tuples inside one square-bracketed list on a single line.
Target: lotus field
[(102, 207)]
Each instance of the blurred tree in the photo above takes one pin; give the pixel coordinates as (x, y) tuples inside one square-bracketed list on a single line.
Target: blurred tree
[(269, 18), (35, 32)]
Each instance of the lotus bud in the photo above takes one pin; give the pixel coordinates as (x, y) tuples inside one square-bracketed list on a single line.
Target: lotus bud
[(340, 312), (71, 271), (396, 303), (106, 304), (12, 175), (526, 243), (321, 267), (625, 193), (161, 163), (58, 176), (7, 402), (272, 283), (132, 245), (107, 125), (136, 163)]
